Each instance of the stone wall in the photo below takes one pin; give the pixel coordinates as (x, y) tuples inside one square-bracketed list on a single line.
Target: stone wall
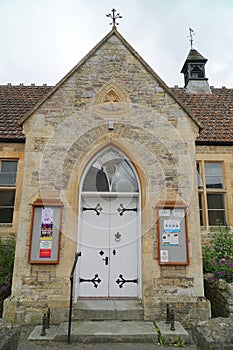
[(214, 334), (154, 132), (220, 294), (187, 309)]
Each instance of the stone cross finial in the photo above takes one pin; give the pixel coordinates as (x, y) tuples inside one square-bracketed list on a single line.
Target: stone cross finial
[(114, 16), (190, 36)]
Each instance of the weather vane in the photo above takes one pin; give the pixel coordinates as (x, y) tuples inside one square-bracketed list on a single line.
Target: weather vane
[(190, 36), (114, 16)]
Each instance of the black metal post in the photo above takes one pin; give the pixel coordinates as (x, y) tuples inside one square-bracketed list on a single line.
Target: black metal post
[(44, 321), (77, 255), (172, 321), (70, 313), (168, 319), (48, 318)]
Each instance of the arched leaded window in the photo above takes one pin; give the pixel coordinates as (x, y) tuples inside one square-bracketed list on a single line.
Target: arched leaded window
[(110, 172)]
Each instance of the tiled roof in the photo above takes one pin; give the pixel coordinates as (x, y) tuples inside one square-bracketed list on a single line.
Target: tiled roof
[(16, 101), (214, 111)]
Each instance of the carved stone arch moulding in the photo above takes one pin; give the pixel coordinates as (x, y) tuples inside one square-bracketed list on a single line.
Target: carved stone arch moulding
[(111, 92)]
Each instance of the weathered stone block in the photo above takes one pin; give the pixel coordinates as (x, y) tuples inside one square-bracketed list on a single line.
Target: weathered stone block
[(220, 294), (187, 309), (173, 271), (9, 336), (214, 334)]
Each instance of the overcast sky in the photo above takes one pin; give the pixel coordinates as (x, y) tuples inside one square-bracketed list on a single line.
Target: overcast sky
[(42, 40)]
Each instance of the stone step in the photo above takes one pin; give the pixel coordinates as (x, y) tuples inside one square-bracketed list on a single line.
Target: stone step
[(178, 335), (106, 309), (109, 332), (105, 332), (99, 332)]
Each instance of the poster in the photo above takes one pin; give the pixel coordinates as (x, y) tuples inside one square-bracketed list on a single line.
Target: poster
[(46, 233), (170, 239), (45, 249), (171, 225), (164, 212), (164, 256), (179, 213), (174, 238)]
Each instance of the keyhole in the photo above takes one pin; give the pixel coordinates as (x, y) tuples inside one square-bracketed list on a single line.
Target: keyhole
[(106, 260), (114, 252)]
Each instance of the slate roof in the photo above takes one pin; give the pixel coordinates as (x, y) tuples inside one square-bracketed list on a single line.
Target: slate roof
[(16, 101), (194, 55), (214, 111)]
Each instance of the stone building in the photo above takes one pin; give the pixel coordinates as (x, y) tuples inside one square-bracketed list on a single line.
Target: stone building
[(114, 164)]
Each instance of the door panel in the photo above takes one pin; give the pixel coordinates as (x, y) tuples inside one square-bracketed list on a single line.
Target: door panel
[(94, 247), (123, 248), (109, 248)]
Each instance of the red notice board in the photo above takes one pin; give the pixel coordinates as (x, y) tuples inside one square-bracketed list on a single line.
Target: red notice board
[(45, 232)]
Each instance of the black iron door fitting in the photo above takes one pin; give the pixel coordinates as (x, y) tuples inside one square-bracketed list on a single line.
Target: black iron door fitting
[(97, 209), (106, 260), (95, 280), (121, 281), (122, 209)]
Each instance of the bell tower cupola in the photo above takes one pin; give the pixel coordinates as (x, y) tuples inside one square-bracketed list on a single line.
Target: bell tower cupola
[(193, 69)]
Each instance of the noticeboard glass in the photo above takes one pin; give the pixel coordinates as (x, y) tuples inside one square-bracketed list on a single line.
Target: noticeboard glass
[(172, 236), (45, 233)]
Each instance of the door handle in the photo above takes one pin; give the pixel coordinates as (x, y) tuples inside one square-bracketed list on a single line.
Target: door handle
[(106, 260)]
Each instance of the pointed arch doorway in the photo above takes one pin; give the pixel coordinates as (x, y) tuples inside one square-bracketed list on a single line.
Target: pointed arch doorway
[(109, 229)]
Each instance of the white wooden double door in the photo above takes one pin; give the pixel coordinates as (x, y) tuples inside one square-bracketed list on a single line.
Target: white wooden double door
[(109, 246)]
